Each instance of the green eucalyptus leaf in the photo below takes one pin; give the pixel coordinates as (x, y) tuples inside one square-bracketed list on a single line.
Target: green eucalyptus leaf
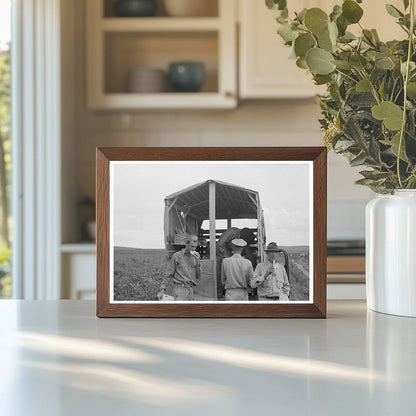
[(347, 37), (394, 143), (333, 32), (384, 62), (321, 79), (374, 174), (342, 25), (285, 13), (363, 86), (382, 89), (365, 182), (319, 61), (361, 100), (388, 112), (377, 75), (316, 20), (368, 36), (281, 19), (344, 65), (396, 71), (411, 90), (406, 4), (343, 145), (301, 15), (287, 33), (301, 63), (374, 151), (351, 11), (292, 52), (393, 11), (405, 21), (411, 124), (412, 67), (353, 132), (303, 43), (358, 160), (325, 42), (336, 12), (276, 4), (358, 61), (375, 35)]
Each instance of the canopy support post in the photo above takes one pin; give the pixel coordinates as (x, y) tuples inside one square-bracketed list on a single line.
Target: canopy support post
[(212, 232)]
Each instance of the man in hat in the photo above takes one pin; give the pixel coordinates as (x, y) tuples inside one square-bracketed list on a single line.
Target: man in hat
[(270, 277), (224, 250), (184, 269), (236, 272)]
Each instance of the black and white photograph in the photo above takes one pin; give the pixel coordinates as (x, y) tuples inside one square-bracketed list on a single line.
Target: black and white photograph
[(232, 231)]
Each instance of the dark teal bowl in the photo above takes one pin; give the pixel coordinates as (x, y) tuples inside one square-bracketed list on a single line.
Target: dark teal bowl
[(135, 8), (186, 76)]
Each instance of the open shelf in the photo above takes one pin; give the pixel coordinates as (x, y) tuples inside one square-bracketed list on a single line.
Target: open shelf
[(118, 45), (127, 51), (210, 9), (160, 24)]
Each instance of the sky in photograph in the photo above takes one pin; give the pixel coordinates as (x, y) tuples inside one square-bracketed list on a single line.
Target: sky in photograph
[(139, 191)]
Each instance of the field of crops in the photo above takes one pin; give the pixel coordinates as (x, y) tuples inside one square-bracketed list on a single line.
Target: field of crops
[(138, 273), (299, 272)]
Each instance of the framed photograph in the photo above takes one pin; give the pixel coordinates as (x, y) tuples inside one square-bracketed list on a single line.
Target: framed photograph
[(211, 232)]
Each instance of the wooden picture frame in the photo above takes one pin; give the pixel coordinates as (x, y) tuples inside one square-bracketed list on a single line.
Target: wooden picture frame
[(123, 173)]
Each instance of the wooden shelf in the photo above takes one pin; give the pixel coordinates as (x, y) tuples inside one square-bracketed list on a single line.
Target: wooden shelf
[(81, 247), (160, 24), (196, 100), (117, 45)]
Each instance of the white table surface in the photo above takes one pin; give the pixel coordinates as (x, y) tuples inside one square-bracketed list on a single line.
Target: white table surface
[(57, 358)]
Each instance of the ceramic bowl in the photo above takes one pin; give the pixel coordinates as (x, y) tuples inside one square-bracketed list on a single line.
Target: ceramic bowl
[(135, 8), (92, 230), (147, 80), (191, 8), (186, 76)]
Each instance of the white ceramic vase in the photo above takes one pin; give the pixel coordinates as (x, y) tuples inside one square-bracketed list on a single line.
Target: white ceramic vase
[(391, 253)]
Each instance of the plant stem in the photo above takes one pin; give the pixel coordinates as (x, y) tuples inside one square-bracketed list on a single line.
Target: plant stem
[(346, 75), (373, 88), (405, 81)]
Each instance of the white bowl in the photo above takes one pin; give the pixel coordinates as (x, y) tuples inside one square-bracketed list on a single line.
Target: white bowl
[(191, 8), (147, 80), (92, 230)]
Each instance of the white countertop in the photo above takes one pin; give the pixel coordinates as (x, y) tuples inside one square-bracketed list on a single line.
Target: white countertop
[(57, 358)]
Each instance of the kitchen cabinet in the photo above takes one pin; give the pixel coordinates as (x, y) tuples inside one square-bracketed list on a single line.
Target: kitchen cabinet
[(265, 70), (118, 45), (78, 263)]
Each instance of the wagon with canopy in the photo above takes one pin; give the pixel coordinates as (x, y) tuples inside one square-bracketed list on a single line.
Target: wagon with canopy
[(198, 210)]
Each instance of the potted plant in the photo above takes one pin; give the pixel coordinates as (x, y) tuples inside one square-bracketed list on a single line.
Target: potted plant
[(368, 116)]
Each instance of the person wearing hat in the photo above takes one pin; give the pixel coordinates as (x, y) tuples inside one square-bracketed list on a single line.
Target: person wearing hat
[(224, 250), (184, 269), (236, 272), (270, 277)]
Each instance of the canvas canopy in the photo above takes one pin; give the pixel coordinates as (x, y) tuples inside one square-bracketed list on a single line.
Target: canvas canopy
[(232, 201)]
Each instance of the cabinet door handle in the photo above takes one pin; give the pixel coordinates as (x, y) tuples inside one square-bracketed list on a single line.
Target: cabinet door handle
[(229, 94)]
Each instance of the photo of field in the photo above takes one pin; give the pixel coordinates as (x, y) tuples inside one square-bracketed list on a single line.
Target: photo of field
[(138, 273)]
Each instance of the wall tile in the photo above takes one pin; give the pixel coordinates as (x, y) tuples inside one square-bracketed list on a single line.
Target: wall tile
[(86, 180), (160, 119), (171, 138), (197, 120)]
